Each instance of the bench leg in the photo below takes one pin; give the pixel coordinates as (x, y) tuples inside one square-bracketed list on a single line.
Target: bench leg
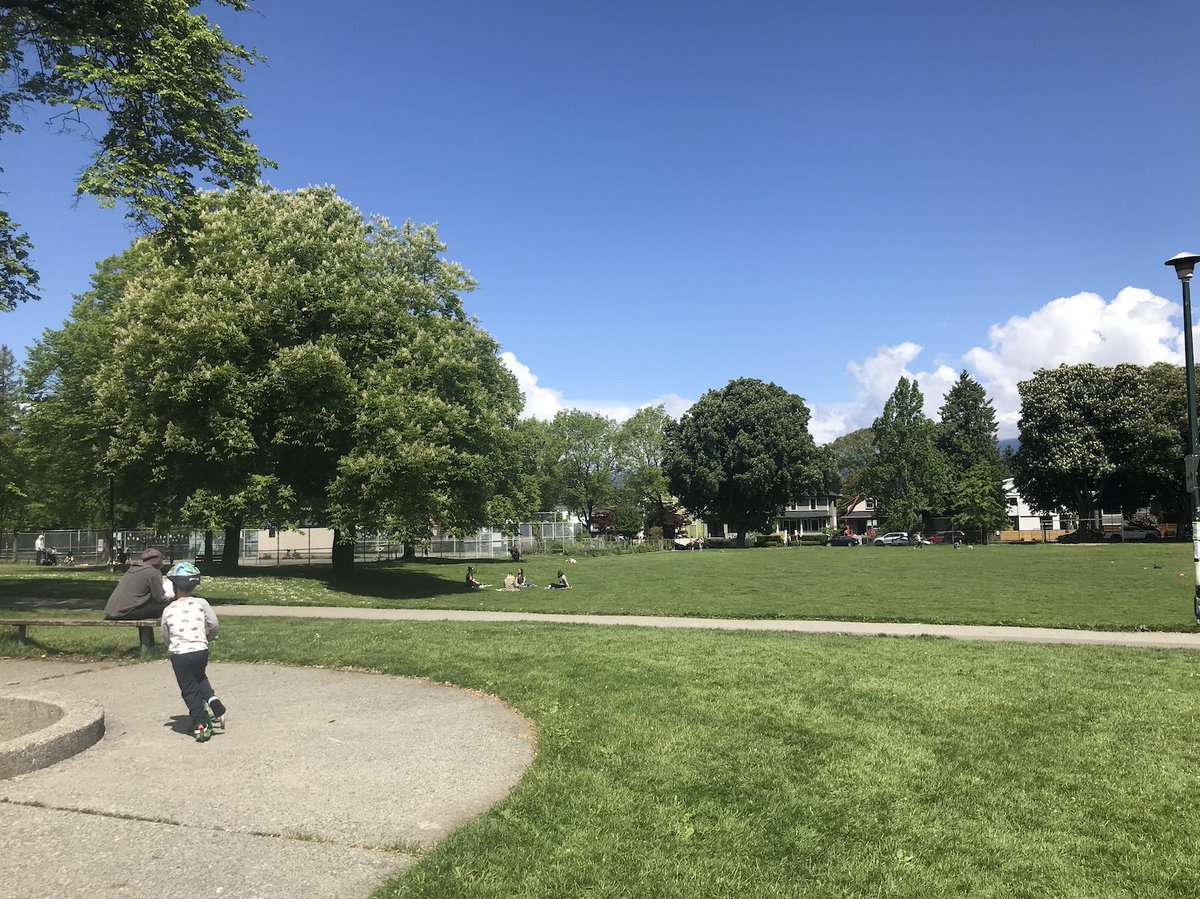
[(146, 638)]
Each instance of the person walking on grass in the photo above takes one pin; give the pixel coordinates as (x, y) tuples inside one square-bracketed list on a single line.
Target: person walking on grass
[(187, 625)]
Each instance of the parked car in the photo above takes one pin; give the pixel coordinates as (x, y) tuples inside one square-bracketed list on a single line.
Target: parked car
[(948, 537), (1136, 532), (844, 540), (894, 538)]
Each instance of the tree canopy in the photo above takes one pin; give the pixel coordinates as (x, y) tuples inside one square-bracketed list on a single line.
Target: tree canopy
[(306, 363), (161, 81), (966, 437), (1096, 437), (586, 461), (741, 452), (908, 475)]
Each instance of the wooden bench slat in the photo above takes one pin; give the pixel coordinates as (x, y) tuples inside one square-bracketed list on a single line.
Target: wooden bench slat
[(82, 622), (146, 626)]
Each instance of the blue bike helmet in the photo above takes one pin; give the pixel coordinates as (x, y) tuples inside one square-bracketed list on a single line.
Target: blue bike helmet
[(184, 576)]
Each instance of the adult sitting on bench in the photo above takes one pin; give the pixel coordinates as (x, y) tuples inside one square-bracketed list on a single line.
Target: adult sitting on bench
[(140, 591)]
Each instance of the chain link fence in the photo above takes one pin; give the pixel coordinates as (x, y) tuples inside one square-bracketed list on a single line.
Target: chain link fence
[(311, 546)]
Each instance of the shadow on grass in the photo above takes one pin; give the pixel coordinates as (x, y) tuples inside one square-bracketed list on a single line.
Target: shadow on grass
[(25, 593), (390, 581), (12, 648)]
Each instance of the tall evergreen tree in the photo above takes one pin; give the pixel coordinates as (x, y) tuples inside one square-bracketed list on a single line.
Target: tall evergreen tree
[(909, 475), (966, 437)]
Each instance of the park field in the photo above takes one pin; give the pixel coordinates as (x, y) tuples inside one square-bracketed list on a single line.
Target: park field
[(697, 764), (1118, 587)]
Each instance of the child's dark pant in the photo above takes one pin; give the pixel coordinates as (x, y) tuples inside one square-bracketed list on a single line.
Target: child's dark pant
[(193, 682)]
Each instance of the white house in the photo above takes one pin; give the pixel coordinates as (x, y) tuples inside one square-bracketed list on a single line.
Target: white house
[(1023, 518)]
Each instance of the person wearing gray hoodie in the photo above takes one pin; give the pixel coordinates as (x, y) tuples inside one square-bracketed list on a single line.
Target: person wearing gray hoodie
[(139, 594)]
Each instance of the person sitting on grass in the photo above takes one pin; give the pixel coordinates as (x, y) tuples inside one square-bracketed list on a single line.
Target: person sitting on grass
[(521, 582), (472, 581), (560, 584)]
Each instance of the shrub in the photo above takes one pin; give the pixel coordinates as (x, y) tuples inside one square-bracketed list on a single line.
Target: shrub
[(770, 540), (813, 539)]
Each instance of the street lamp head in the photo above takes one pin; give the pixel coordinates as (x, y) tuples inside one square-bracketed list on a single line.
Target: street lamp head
[(1184, 263)]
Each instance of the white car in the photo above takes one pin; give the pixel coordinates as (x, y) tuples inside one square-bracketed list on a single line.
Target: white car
[(895, 538), (1136, 532)]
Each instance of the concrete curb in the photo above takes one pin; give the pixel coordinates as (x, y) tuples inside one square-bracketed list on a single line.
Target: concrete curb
[(50, 728)]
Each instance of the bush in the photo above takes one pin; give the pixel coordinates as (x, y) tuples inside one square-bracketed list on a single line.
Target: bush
[(813, 539), (770, 540)]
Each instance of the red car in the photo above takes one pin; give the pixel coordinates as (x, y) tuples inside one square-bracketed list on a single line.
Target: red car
[(948, 537)]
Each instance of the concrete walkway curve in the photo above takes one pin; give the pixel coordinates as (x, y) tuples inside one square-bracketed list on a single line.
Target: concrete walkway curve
[(326, 782), (991, 633)]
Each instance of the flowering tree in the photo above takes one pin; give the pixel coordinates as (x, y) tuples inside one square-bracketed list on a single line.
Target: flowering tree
[(304, 363)]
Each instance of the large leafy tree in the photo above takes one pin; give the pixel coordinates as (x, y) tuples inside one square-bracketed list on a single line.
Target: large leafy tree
[(643, 447), (1161, 469), (1063, 461), (586, 450), (908, 476), (305, 364), (13, 473), (741, 452), (157, 79), (852, 456), (977, 504), (529, 484), (1110, 437), (66, 442)]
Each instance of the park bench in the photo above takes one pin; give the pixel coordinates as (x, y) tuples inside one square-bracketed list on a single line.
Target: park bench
[(145, 626)]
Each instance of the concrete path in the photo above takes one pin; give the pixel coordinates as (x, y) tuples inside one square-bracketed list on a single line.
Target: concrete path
[(326, 783), (993, 633)]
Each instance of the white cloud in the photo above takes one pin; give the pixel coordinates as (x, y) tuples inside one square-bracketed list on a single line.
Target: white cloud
[(1137, 326), (540, 402), (875, 378), (544, 403)]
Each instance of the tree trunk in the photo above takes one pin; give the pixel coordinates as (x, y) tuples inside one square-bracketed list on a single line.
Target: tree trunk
[(410, 551), (208, 547), (741, 540), (343, 552), (232, 550)]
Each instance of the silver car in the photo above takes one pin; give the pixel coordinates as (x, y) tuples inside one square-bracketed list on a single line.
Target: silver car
[(895, 538)]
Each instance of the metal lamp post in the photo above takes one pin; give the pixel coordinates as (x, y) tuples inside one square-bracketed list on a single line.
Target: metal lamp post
[(1184, 264)]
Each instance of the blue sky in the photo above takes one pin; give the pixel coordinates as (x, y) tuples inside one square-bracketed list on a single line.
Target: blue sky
[(659, 197)]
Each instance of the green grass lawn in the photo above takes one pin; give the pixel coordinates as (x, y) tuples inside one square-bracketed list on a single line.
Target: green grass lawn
[(1103, 587), (699, 764)]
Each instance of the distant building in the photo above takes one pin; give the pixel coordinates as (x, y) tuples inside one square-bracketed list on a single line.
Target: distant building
[(1022, 517), (809, 515)]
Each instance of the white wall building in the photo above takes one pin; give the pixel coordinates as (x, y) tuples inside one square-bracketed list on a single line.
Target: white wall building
[(1023, 518)]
